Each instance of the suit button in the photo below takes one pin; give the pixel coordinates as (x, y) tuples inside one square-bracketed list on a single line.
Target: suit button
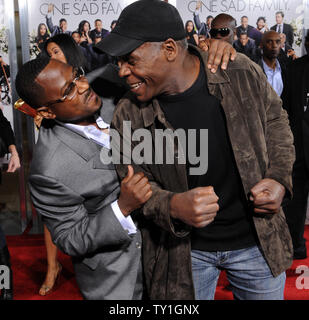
[(138, 245)]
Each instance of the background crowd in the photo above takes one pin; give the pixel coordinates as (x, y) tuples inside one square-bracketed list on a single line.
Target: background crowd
[(85, 37)]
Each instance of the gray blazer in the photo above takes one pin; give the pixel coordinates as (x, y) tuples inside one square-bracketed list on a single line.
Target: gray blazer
[(73, 191)]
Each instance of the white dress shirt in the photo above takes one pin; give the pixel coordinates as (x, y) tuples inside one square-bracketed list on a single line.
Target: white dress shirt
[(274, 77), (281, 26), (103, 139)]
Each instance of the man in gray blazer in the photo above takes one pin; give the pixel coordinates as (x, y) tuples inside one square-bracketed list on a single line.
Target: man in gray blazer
[(82, 203)]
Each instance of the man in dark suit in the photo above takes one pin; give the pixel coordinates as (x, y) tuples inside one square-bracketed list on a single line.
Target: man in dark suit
[(285, 28), (252, 32), (202, 27), (246, 46), (85, 208), (63, 24), (296, 102), (98, 31), (270, 62)]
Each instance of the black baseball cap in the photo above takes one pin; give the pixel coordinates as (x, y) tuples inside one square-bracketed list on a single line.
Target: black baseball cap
[(143, 21)]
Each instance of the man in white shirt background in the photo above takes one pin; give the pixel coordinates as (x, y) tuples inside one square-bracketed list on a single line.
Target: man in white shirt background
[(274, 70)]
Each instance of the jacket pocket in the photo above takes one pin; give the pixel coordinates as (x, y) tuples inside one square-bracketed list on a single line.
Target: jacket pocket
[(92, 262)]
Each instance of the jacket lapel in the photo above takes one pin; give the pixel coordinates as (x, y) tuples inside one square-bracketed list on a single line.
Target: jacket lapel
[(80, 145)]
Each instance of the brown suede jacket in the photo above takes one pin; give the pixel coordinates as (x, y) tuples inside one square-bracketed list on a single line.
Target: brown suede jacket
[(262, 142)]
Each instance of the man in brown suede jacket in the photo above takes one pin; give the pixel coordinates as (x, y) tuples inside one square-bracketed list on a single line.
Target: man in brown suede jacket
[(228, 216)]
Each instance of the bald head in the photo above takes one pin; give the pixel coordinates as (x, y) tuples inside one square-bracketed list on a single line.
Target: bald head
[(270, 35), (271, 44), (222, 21)]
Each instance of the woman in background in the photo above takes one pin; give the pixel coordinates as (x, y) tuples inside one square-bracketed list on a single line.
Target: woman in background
[(191, 34), (84, 31), (42, 36), (62, 47), (261, 25)]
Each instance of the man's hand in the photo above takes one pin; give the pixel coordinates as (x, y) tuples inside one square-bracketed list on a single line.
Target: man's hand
[(50, 7), (135, 191), (220, 52), (267, 196), (14, 163), (198, 4), (197, 207)]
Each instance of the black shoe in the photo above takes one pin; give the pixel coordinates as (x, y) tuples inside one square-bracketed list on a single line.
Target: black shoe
[(6, 294)]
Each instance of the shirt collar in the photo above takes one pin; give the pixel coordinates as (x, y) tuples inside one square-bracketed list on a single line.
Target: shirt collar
[(267, 68), (90, 132)]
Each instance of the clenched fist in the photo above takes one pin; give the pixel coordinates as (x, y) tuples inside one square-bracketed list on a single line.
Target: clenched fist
[(267, 196), (197, 207), (135, 190)]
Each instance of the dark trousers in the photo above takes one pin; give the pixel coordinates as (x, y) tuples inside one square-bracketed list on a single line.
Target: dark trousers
[(295, 210)]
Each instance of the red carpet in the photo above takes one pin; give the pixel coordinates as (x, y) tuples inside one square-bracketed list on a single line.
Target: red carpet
[(28, 255), (29, 265)]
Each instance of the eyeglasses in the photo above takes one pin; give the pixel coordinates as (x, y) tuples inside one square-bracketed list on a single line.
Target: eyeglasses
[(224, 32), (71, 90)]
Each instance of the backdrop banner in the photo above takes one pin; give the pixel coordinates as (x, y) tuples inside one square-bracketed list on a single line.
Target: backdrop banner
[(74, 11), (253, 9), (306, 14), (5, 85)]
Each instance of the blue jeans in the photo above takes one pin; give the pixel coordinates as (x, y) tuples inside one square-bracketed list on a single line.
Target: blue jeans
[(247, 271)]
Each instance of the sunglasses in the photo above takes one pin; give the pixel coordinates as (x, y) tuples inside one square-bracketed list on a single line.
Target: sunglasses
[(224, 32), (71, 90)]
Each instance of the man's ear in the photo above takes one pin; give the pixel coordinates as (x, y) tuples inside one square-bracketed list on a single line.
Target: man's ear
[(46, 113), (171, 49)]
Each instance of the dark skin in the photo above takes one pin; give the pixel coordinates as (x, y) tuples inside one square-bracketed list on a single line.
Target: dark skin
[(225, 21), (244, 39), (219, 53), (154, 69), (54, 79), (271, 45), (179, 68), (169, 69)]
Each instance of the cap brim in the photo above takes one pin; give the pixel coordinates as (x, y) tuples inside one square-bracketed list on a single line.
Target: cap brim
[(117, 45)]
